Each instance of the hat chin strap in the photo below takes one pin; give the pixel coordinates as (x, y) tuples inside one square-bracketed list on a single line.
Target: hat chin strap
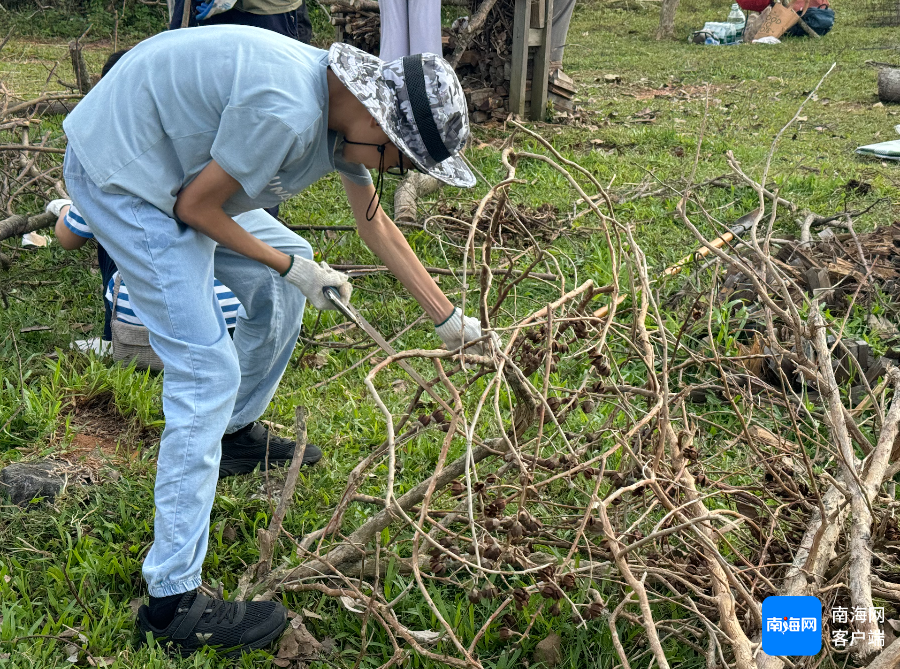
[(414, 76)]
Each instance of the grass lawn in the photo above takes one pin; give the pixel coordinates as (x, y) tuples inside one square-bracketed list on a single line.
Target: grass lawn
[(641, 132)]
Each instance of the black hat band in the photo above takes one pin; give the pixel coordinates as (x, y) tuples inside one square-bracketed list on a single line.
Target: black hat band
[(421, 108)]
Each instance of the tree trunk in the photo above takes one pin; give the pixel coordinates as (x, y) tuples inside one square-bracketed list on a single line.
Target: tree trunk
[(667, 19), (82, 75)]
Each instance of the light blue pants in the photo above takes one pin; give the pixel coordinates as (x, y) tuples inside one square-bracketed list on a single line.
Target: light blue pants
[(211, 384)]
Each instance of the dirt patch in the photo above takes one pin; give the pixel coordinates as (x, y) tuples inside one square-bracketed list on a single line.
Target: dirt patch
[(685, 93), (101, 434)]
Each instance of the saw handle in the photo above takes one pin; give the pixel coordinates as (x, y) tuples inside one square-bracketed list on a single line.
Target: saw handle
[(333, 295)]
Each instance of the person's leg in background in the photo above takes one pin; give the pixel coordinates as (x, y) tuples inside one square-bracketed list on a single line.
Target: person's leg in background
[(107, 269), (559, 29), (423, 26), (304, 26), (424, 18), (394, 29), (270, 317)]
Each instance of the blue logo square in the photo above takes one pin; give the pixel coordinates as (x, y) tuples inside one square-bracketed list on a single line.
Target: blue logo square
[(792, 625)]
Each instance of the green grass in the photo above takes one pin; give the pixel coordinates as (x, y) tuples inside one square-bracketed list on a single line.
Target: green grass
[(99, 534)]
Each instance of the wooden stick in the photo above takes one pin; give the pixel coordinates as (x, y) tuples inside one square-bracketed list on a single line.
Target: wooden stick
[(267, 538), (368, 269)]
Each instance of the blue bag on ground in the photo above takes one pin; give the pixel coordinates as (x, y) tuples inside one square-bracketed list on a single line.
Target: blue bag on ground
[(820, 19)]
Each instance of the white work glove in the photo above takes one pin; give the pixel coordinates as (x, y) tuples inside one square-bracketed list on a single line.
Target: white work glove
[(470, 328), (55, 206), (213, 7), (311, 278)]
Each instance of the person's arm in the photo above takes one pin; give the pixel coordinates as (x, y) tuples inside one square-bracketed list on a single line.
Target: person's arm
[(386, 241), (199, 205), (66, 238)]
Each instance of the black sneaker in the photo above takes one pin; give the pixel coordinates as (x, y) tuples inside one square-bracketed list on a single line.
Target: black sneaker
[(245, 450), (231, 628)]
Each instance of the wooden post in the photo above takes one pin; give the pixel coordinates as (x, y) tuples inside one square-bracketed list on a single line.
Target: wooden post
[(519, 65), (537, 13), (541, 70), (79, 67)]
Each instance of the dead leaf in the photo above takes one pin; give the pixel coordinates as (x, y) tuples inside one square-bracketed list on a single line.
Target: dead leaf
[(314, 360), (134, 605), (425, 636), (298, 643), (72, 653), (101, 661), (311, 614), (400, 385), (353, 605), (281, 662), (69, 632), (35, 328)]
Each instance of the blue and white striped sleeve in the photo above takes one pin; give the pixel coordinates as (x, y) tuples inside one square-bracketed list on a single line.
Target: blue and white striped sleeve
[(228, 303), (77, 224)]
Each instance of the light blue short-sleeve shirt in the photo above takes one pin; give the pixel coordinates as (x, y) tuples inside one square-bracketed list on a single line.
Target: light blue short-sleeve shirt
[(254, 101)]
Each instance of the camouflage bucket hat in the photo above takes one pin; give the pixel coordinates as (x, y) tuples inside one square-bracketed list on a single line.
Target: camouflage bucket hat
[(417, 101)]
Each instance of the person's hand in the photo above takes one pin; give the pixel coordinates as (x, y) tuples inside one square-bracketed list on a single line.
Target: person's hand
[(459, 329), (213, 7), (55, 206), (311, 278)]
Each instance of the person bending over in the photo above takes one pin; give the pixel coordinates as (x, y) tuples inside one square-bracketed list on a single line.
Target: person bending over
[(191, 128)]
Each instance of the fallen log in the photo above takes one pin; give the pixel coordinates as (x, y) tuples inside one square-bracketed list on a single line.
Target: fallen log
[(19, 225)]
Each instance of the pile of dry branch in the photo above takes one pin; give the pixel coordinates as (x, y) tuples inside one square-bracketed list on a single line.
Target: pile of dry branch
[(579, 478), (30, 168)]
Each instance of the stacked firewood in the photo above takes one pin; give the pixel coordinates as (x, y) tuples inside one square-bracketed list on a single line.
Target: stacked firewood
[(358, 26)]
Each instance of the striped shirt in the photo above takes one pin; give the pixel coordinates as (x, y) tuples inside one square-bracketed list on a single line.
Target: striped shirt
[(228, 302)]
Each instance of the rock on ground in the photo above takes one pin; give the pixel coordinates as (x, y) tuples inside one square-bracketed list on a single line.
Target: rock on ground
[(23, 481)]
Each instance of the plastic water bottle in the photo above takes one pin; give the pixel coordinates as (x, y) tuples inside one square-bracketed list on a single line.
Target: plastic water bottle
[(737, 18)]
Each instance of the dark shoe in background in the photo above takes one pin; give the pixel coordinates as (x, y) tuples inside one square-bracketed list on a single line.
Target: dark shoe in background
[(245, 450)]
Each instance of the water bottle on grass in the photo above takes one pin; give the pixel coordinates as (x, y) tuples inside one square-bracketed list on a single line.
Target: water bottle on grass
[(737, 19)]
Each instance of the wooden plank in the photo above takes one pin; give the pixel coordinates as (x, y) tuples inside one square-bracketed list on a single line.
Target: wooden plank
[(541, 70), (519, 57), (537, 14)]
